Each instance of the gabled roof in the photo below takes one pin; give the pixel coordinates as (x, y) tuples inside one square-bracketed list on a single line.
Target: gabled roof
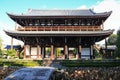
[(77, 12)]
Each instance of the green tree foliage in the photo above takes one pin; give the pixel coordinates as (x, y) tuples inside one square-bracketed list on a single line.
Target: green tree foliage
[(58, 52), (112, 39), (118, 44), (48, 51), (74, 51), (1, 47), (12, 53)]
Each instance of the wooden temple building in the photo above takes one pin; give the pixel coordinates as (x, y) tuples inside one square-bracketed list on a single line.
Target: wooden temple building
[(79, 29)]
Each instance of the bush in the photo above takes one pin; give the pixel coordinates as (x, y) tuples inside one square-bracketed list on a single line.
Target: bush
[(11, 53), (90, 63), (11, 62)]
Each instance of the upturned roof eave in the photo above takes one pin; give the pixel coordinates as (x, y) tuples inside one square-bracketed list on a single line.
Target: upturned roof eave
[(105, 14), (58, 33)]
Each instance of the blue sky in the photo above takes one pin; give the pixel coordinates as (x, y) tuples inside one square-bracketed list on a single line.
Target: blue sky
[(21, 6)]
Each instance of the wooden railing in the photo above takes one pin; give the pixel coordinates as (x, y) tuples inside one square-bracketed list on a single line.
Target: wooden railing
[(60, 28)]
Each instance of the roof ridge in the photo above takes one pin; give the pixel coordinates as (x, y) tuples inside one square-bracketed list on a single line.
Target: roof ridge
[(54, 9)]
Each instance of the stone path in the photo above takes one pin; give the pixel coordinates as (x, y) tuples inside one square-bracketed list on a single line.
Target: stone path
[(52, 63)]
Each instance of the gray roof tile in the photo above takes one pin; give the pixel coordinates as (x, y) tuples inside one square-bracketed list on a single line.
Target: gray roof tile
[(77, 12)]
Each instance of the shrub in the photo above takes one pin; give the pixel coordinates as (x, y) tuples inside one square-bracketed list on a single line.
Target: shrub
[(90, 63), (11, 62), (12, 53)]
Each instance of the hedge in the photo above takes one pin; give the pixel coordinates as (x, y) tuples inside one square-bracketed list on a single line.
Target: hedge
[(90, 63), (19, 62)]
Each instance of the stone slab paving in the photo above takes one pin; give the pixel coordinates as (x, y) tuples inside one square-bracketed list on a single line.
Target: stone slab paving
[(35, 73)]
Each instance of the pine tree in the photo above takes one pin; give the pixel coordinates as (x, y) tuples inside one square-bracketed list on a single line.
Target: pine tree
[(118, 44), (112, 39)]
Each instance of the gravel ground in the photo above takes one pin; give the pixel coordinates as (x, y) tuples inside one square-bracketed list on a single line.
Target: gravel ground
[(77, 73)]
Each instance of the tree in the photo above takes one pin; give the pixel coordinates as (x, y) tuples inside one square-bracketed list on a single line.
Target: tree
[(118, 44), (58, 52), (1, 47), (112, 39), (74, 51), (12, 53)]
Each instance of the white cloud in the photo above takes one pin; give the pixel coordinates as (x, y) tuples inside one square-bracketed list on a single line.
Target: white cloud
[(6, 39), (82, 7), (113, 22)]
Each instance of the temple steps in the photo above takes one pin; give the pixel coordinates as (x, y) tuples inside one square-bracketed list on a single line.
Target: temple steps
[(52, 63)]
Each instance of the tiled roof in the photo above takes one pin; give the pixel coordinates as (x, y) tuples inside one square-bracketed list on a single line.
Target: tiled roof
[(59, 12), (77, 12), (58, 33)]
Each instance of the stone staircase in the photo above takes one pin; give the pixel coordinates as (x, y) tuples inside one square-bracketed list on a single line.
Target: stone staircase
[(52, 63)]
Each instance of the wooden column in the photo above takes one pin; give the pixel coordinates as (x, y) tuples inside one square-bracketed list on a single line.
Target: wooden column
[(43, 52), (66, 49), (79, 51), (90, 52), (66, 52), (11, 43), (38, 51), (52, 49), (24, 51), (106, 47), (55, 52), (51, 52), (30, 52)]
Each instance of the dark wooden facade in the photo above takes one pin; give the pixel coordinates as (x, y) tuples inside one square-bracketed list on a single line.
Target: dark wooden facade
[(78, 29)]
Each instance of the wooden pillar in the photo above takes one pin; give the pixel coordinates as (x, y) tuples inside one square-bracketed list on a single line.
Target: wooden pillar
[(11, 43), (91, 51), (52, 49), (66, 52), (38, 51), (24, 51), (79, 48), (51, 52), (55, 52), (66, 49), (30, 52), (105, 47), (43, 52), (79, 51)]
